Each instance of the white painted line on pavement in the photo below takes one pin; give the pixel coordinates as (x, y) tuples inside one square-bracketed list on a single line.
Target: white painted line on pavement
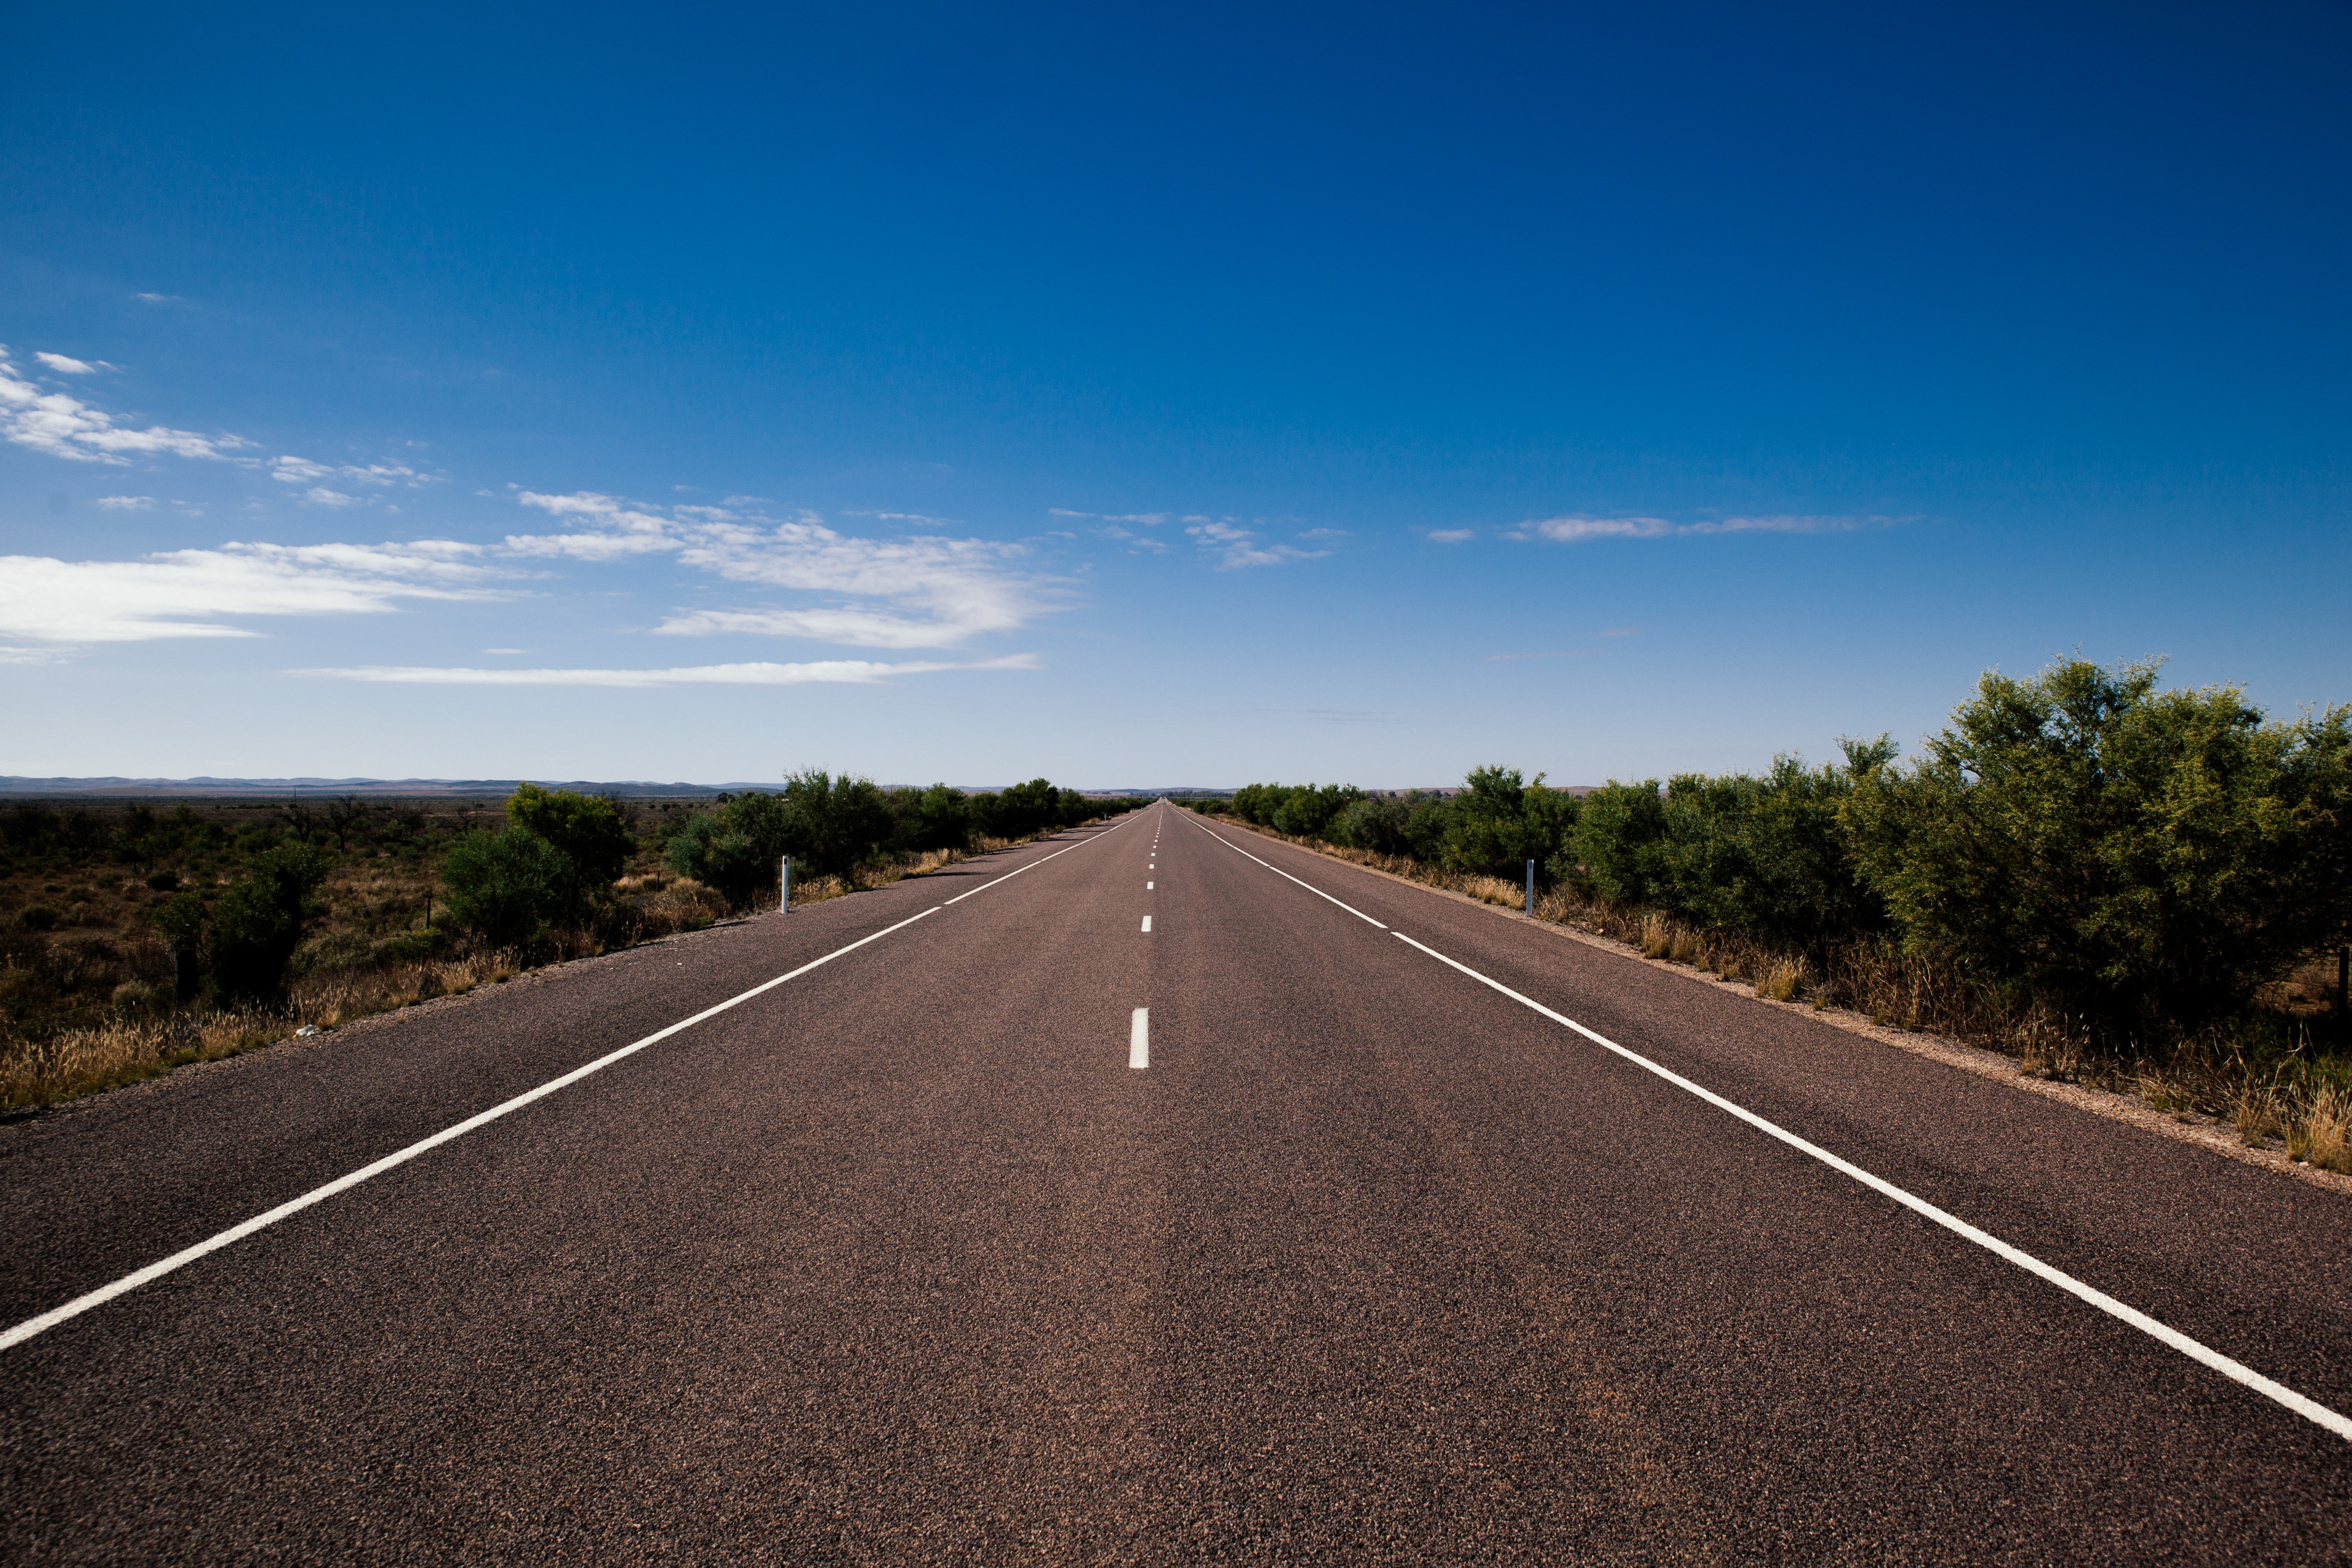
[(1147, 887), (1147, 924), (1032, 865), (2309, 1409), (2237, 1372), (1280, 872), (1138, 1038), (153, 1272)]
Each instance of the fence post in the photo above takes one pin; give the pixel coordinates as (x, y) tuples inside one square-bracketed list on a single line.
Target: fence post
[(785, 904), (1531, 887)]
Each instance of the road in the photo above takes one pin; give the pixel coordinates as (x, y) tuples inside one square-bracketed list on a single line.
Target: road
[(936, 1250)]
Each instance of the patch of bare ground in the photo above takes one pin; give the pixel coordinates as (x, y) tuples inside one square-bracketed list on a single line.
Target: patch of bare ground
[(2307, 1137)]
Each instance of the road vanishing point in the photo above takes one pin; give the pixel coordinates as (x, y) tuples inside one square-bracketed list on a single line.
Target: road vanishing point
[(1156, 1193)]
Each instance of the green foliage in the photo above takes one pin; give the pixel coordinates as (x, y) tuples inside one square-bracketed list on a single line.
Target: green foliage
[(1620, 844), (834, 823), (180, 920), (1497, 823), (258, 922), (590, 829), (2146, 857), (508, 886), (941, 819)]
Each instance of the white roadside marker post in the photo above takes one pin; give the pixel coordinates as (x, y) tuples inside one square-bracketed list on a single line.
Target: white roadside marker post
[(1531, 887), (784, 900)]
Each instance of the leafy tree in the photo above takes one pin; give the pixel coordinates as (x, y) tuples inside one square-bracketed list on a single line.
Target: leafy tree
[(1767, 856), (591, 830), (2148, 857), (1305, 811), (834, 823), (180, 920), (258, 922), (1619, 847), (508, 886), (1497, 823), (716, 851)]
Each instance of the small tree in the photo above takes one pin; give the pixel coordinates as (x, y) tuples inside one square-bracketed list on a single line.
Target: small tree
[(590, 829), (257, 922), (2148, 857), (180, 920), (1620, 844), (508, 885)]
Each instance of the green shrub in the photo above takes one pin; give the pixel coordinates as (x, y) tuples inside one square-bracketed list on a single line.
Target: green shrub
[(1306, 811), (590, 829), (2146, 857), (1618, 851), (1766, 856), (734, 862), (180, 920), (834, 823), (1497, 823), (508, 886), (256, 922)]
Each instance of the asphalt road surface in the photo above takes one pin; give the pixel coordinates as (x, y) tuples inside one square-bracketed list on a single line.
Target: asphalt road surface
[(1334, 1251)]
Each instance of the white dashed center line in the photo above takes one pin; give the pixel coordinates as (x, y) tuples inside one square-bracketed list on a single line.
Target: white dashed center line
[(1138, 1039), (1147, 923)]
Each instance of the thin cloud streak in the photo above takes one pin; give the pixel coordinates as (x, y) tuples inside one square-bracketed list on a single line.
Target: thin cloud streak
[(1578, 527), (830, 671)]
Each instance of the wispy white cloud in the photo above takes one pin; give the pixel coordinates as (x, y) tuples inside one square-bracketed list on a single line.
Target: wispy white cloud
[(922, 591), (295, 470), (1451, 535), (125, 503), (1235, 546), (187, 592), (828, 671), (66, 365), (1551, 652), (1577, 527), (319, 495), (158, 299), (66, 426)]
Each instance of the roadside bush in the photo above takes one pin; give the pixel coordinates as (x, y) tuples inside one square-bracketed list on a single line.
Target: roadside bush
[(1497, 823), (180, 920), (589, 829), (834, 823), (2145, 857), (1619, 850), (257, 923), (508, 886)]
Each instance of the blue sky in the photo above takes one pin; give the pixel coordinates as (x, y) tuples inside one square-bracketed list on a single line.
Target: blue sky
[(1188, 397)]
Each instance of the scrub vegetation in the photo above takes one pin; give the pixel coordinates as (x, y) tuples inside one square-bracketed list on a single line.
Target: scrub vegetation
[(2140, 887), (135, 937)]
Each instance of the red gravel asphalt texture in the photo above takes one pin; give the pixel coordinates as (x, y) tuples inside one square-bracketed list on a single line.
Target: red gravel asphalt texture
[(900, 1261)]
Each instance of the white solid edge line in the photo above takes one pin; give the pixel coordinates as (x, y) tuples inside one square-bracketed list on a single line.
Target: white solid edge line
[(1280, 872), (2237, 1372), (1138, 1038), (105, 1293), (1032, 865)]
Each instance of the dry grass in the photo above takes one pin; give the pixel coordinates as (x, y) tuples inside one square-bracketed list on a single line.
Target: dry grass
[(71, 1062), (2323, 1133)]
